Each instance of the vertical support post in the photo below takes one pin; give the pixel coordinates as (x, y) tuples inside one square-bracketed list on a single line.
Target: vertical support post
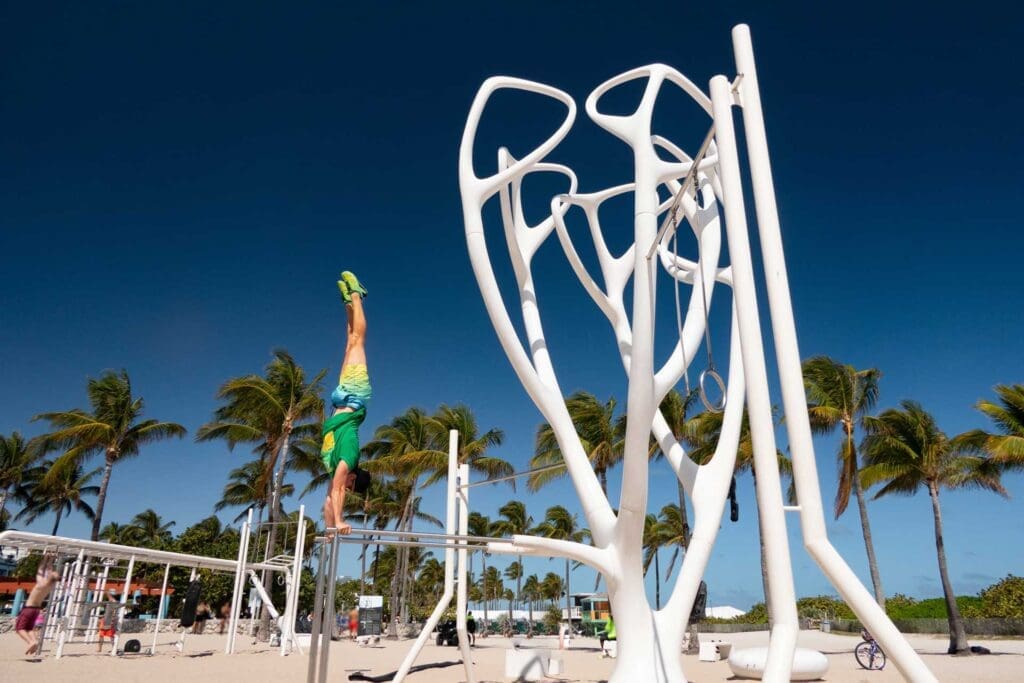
[(787, 354), (101, 589), (449, 561), (288, 622), (236, 593), (328, 625), (318, 611), (762, 430), (462, 512), (160, 608), (56, 607), (70, 603), (124, 601), (184, 632)]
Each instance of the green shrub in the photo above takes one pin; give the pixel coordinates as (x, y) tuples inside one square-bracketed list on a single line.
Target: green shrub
[(1004, 599), (552, 618)]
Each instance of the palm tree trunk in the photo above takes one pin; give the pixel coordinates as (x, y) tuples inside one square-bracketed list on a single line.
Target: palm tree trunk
[(101, 498), (568, 599), (865, 525), (56, 523), (764, 562), (682, 515), (274, 516), (657, 581), (484, 589), (396, 579), (3, 502), (957, 633)]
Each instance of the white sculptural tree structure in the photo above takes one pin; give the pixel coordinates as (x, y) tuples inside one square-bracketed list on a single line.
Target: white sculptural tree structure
[(650, 640)]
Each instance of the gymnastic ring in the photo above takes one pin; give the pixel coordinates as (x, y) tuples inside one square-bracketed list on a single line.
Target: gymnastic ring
[(281, 579), (712, 407)]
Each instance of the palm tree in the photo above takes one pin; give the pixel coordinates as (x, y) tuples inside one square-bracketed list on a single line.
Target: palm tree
[(905, 451), (59, 487), (112, 429), (560, 524), (1007, 447), (414, 444), (514, 572), (480, 525), (672, 528), (112, 532), (514, 520), (473, 446), (703, 433), (247, 488), (15, 458), (839, 396), (600, 434), (269, 412), (532, 593), (675, 408), (552, 587), (653, 541), (149, 530)]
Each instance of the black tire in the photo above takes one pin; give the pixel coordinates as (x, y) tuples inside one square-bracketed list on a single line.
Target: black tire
[(454, 642), (869, 656), (439, 641)]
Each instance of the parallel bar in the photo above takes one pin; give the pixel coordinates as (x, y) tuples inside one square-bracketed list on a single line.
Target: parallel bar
[(419, 534), (420, 544), (328, 625), (318, 608)]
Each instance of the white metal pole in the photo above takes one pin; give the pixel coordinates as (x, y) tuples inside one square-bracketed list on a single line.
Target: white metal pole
[(449, 562), (762, 430), (160, 609), (462, 511), (124, 600), (292, 606), (787, 352), (101, 588), (236, 593)]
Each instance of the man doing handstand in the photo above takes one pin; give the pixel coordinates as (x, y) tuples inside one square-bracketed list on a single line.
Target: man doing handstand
[(340, 450), (46, 578)]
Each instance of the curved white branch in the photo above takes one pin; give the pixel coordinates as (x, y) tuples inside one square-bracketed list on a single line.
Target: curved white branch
[(597, 558)]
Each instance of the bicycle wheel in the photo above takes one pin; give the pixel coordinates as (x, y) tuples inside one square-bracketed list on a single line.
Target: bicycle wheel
[(869, 656)]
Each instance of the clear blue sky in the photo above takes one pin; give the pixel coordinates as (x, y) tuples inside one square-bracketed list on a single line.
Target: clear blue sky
[(182, 182)]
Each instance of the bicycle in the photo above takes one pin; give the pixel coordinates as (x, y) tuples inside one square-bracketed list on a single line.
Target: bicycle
[(868, 654)]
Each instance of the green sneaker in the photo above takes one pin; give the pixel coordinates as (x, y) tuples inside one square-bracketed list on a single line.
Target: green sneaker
[(353, 283), (346, 293)]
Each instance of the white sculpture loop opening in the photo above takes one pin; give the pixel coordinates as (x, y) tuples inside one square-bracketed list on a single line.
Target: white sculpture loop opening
[(650, 640)]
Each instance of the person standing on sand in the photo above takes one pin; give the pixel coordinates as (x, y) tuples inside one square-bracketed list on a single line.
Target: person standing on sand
[(340, 452), (25, 626)]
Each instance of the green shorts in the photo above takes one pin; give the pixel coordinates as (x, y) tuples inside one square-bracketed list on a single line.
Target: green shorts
[(341, 440)]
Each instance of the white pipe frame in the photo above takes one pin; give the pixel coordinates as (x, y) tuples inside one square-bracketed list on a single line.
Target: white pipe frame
[(616, 549), (453, 522), (805, 476)]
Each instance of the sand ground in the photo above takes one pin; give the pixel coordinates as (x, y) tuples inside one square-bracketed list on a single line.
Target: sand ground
[(204, 660)]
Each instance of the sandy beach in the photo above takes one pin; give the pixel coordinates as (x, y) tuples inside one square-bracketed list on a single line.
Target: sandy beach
[(204, 660)]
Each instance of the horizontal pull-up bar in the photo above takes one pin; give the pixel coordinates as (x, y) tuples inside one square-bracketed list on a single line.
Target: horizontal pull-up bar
[(515, 475), (415, 534), (471, 547)]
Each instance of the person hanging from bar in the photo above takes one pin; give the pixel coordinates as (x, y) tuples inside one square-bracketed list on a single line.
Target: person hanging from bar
[(340, 451), (25, 626)]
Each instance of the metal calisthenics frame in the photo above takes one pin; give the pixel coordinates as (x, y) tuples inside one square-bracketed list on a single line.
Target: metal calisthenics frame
[(86, 571), (457, 545)]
